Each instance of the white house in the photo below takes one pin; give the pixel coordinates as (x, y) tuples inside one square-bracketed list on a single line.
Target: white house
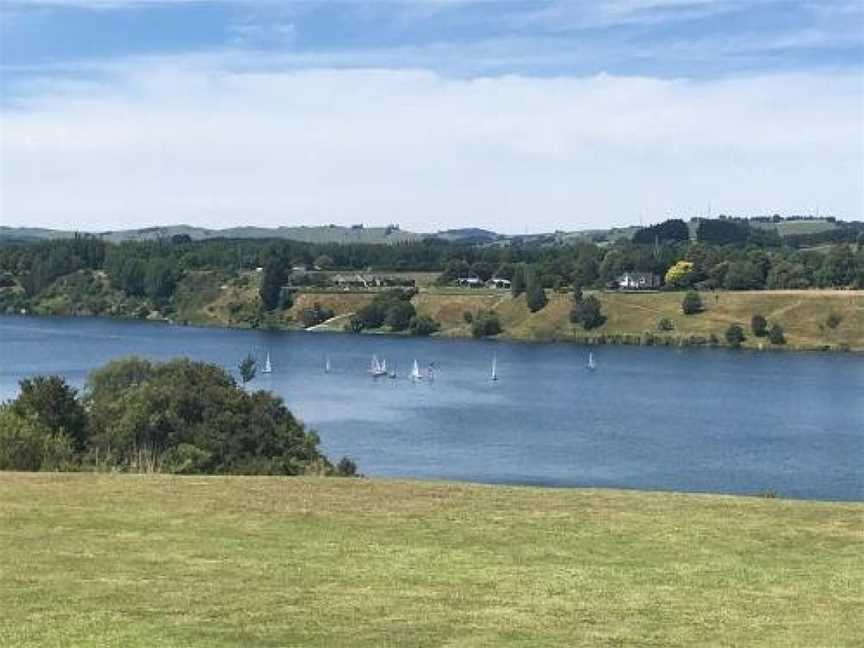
[(638, 281)]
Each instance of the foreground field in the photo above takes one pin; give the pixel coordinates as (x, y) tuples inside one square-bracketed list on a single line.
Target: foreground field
[(187, 561)]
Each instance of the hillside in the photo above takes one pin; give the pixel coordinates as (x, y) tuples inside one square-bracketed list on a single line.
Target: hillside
[(154, 561), (803, 315)]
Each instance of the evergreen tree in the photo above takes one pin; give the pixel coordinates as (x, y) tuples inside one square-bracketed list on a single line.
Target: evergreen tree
[(735, 335), (692, 303), (274, 277), (517, 284), (535, 295), (776, 334), (759, 326), (248, 368)]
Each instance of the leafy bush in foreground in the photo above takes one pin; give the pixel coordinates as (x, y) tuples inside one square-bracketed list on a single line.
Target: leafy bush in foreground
[(180, 416)]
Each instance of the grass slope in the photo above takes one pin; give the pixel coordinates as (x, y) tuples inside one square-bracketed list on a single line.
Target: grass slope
[(802, 314), (191, 561)]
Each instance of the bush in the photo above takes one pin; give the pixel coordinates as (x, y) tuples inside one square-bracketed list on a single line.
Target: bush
[(52, 402), (587, 313), (775, 335), (759, 326), (833, 320), (28, 445), (315, 315), (468, 317), (665, 324), (486, 324), (346, 468), (692, 303), (423, 325), (399, 315), (535, 295), (735, 335)]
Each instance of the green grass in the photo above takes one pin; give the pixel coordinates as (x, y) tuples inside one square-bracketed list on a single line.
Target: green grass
[(191, 561)]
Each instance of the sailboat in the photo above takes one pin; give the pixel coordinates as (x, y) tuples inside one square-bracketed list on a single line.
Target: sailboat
[(494, 368), (591, 364), (376, 368), (415, 372), (268, 368), (327, 364)]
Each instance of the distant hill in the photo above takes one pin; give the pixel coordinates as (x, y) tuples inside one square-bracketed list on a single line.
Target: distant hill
[(321, 234)]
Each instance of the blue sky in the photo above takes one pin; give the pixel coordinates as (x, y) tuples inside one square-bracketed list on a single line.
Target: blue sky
[(433, 113)]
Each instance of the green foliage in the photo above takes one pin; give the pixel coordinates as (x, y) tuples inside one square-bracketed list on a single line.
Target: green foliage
[(51, 402), (191, 417), (346, 468), (692, 303), (422, 325), (27, 444), (833, 320), (248, 367), (535, 295), (519, 281), (160, 279), (315, 315), (671, 230), (399, 315), (354, 324), (486, 324), (759, 325), (735, 335), (743, 275), (665, 324), (775, 335), (468, 317), (587, 313), (274, 277), (838, 267)]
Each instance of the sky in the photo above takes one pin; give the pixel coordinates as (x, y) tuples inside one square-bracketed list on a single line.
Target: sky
[(514, 116)]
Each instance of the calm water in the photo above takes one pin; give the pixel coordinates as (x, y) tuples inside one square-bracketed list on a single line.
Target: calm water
[(691, 420)]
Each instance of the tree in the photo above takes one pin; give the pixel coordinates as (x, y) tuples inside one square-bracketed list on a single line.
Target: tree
[(743, 275), (674, 229), (274, 276), (160, 279), (399, 315), (423, 325), (517, 283), (735, 335), (587, 312), (53, 403), (27, 444), (838, 267), (485, 324), (248, 368), (759, 326), (191, 417), (692, 303), (535, 296), (775, 335), (680, 275)]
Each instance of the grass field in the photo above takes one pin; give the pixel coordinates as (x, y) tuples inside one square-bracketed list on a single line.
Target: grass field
[(802, 313), (191, 561)]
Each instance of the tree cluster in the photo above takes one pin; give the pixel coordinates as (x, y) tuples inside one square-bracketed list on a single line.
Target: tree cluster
[(180, 417)]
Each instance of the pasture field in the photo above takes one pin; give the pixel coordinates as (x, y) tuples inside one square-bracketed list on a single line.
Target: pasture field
[(121, 560)]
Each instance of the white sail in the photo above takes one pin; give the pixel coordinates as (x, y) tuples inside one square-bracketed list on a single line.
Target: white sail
[(591, 363), (377, 368), (268, 368), (415, 372), (327, 364), (494, 368)]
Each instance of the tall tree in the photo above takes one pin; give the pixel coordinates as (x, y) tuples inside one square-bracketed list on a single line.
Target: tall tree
[(53, 403)]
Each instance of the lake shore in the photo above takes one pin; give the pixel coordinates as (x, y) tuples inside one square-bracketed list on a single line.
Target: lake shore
[(161, 560), (631, 318)]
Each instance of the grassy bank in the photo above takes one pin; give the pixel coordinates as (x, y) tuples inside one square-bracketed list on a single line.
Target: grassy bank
[(168, 561), (633, 318), (213, 299)]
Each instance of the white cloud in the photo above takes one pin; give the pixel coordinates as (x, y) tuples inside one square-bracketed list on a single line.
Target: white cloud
[(182, 142)]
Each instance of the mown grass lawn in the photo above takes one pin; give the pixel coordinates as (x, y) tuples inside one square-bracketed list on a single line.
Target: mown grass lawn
[(190, 561)]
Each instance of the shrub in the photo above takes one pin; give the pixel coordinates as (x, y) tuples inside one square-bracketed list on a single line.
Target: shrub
[(535, 295), (587, 313), (692, 303), (52, 402), (315, 315), (735, 335), (833, 320), (665, 324), (759, 326), (468, 317), (775, 335), (486, 324), (423, 325), (28, 445), (346, 468), (354, 324), (399, 315)]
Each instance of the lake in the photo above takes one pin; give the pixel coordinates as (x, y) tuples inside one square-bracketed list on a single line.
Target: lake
[(703, 420)]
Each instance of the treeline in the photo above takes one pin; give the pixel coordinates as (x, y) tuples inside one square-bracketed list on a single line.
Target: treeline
[(176, 417), (729, 254)]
